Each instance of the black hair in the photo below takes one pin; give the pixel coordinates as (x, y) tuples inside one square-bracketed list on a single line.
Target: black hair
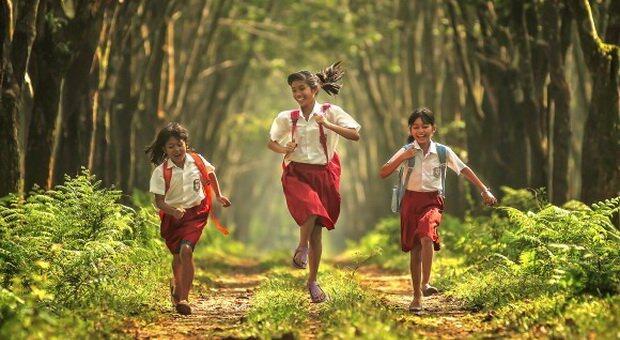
[(325, 79), (427, 116), (156, 149)]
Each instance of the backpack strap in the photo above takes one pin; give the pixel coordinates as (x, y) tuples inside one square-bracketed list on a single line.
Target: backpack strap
[(441, 152), (167, 176), (294, 119), (323, 137), (206, 184)]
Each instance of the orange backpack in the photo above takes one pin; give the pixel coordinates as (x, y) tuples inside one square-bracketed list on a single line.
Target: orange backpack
[(206, 185)]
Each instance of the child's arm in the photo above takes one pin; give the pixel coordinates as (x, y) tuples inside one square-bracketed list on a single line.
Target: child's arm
[(161, 204), (486, 194), (276, 147), (216, 188), (348, 133), (400, 156)]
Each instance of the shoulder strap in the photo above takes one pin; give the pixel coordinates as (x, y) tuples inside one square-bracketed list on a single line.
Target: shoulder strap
[(167, 175), (294, 119), (441, 153), (323, 137), (204, 175)]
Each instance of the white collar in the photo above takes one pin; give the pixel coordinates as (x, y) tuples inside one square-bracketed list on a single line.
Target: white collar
[(188, 159), (431, 149)]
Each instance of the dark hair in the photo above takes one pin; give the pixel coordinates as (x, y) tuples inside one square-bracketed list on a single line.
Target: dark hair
[(156, 149), (427, 116), (325, 79)]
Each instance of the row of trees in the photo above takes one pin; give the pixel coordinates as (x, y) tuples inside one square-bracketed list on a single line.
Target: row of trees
[(526, 91)]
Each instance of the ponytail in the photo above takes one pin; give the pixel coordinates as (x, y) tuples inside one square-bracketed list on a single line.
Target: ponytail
[(326, 79)]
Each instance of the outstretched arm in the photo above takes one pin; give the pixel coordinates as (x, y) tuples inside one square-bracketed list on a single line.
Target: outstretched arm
[(486, 194)]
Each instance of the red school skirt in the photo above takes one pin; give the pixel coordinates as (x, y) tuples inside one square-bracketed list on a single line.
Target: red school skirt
[(313, 189), (420, 215), (188, 228)]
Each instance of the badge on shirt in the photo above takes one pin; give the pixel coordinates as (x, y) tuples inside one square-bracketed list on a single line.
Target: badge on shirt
[(196, 185), (437, 171)]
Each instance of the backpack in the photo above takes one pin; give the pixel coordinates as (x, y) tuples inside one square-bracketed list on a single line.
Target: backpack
[(206, 185), (398, 191)]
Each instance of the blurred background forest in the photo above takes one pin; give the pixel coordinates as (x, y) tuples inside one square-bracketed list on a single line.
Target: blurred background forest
[(525, 91)]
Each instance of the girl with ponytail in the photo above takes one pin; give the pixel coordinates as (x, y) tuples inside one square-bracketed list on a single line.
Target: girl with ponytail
[(307, 137)]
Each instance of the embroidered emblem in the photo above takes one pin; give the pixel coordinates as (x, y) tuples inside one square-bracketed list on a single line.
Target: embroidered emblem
[(196, 185), (437, 171)]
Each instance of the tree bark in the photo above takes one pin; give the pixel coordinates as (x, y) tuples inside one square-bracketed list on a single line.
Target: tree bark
[(14, 71), (601, 150)]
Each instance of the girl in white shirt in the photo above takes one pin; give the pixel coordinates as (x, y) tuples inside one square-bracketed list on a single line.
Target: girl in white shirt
[(181, 183), (422, 203), (308, 136)]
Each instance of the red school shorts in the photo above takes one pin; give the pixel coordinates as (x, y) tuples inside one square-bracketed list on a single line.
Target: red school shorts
[(187, 229)]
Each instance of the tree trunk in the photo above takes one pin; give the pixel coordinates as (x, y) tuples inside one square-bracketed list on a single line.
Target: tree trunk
[(14, 71), (600, 163), (557, 31)]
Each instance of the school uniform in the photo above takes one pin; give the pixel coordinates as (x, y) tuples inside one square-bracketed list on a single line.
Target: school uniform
[(185, 191), (423, 203), (311, 173)]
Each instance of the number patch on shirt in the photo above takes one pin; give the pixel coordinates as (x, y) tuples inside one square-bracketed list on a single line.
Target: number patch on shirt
[(196, 185)]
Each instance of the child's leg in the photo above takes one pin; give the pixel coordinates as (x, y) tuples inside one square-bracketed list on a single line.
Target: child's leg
[(305, 230), (416, 272), (176, 273), (316, 248), (187, 270), (427, 259)]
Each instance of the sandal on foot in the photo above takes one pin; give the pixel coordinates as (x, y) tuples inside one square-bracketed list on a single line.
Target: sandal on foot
[(183, 307), (317, 294), (429, 290), (300, 258), (173, 297), (415, 307)]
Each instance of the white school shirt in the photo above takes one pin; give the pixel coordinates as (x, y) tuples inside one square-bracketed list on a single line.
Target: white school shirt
[(426, 174), (185, 186), (309, 149)]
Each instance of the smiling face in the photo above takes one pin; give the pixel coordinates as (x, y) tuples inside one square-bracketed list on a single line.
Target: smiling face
[(422, 132), (303, 94), (175, 150)]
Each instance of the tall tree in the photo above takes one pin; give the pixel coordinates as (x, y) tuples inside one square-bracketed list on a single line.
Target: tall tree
[(15, 55), (601, 142)]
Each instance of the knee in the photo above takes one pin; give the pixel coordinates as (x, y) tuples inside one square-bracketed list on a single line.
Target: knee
[(185, 253)]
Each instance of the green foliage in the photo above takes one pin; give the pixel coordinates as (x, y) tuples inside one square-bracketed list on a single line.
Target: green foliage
[(532, 261), (75, 248)]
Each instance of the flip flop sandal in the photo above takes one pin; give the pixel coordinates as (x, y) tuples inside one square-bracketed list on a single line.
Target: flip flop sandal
[(303, 258), (317, 295), (429, 290), (183, 308)]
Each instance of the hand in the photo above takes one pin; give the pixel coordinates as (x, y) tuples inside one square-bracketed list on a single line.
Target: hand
[(488, 198), (224, 201), (409, 153), (321, 120), (178, 213), (290, 147)]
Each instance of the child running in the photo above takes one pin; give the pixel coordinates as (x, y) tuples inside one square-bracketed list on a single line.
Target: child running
[(181, 183), (308, 136), (422, 202)]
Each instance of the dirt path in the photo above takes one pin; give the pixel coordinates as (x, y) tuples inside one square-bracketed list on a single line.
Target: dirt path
[(219, 306), (441, 318)]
